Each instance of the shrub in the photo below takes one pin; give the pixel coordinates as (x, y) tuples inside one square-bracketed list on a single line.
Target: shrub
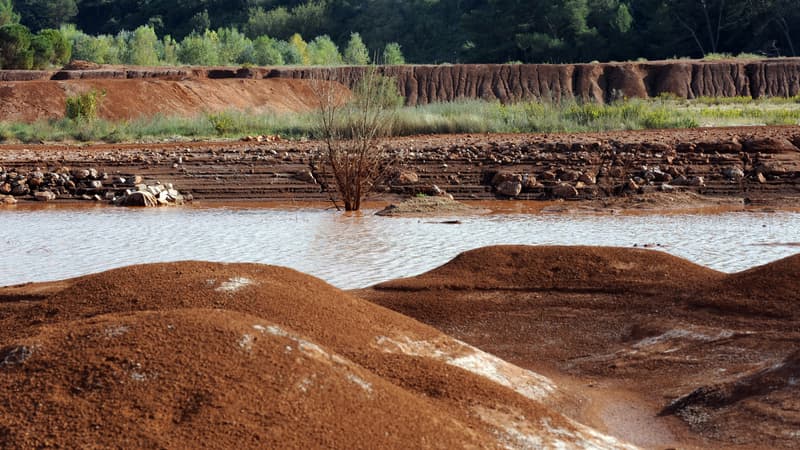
[(266, 52), (83, 107), (43, 51), (15, 47), (199, 50), (356, 52), (143, 47), (62, 48), (323, 52), (392, 54)]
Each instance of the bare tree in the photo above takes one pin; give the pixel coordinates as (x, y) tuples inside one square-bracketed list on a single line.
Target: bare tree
[(352, 132)]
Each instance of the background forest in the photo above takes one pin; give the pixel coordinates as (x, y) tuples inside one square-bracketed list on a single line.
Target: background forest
[(327, 32)]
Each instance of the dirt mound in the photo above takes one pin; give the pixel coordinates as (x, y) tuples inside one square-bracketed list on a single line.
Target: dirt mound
[(710, 349), (768, 289), (567, 268), (215, 355), (132, 98)]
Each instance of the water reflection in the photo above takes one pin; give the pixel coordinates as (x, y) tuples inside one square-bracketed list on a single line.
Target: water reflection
[(358, 250)]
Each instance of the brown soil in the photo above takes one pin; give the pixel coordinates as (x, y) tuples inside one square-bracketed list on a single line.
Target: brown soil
[(464, 166), (191, 354), (130, 99), (642, 336)]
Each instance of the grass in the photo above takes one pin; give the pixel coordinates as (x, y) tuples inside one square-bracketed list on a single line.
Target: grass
[(464, 116)]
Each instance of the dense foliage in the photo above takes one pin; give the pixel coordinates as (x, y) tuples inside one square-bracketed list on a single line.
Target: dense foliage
[(427, 31)]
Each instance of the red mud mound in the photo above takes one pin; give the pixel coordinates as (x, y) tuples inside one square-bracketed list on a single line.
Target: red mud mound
[(132, 98), (201, 355), (568, 268), (693, 357), (768, 289)]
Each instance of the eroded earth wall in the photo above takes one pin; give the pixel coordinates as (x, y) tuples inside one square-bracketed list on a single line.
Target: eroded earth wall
[(508, 83)]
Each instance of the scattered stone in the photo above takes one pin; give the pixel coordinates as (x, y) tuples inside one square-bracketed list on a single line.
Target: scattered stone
[(138, 198), (406, 177), (733, 173), (306, 176), (44, 196), (7, 200), (509, 188), (565, 191)]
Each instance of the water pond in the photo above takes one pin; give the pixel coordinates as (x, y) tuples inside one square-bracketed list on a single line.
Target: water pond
[(352, 251)]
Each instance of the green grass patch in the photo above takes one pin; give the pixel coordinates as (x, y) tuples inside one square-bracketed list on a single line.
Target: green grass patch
[(463, 116)]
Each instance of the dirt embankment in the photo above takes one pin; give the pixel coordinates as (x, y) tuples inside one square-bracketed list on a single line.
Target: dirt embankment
[(600, 82), (636, 330), (127, 99), (597, 82), (761, 164), (192, 354)]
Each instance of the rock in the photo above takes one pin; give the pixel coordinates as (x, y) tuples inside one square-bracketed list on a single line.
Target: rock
[(139, 198), (733, 173), (96, 184), (406, 177), (5, 189), (44, 196), (509, 188), (569, 175), (529, 183), (504, 177), (20, 189), (565, 191), (760, 178), (587, 179), (81, 174), (93, 174), (306, 176), (769, 145), (548, 175), (771, 168)]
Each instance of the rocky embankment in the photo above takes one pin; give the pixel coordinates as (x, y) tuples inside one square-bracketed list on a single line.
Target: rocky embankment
[(88, 184), (761, 164)]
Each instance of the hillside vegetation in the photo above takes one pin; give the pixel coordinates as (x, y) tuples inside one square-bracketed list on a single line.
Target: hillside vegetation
[(329, 32)]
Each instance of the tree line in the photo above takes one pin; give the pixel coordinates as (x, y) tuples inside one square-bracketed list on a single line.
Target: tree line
[(428, 31)]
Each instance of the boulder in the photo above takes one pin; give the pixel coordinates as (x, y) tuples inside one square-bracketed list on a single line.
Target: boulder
[(5, 189), (20, 189), (7, 200), (504, 177), (44, 196), (769, 145), (588, 179), (406, 177), (81, 174), (306, 176), (509, 188), (733, 173), (565, 191), (140, 198)]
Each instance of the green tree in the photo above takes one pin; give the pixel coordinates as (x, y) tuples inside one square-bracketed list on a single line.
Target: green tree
[(43, 51), (143, 47), (232, 45), (62, 49), (7, 13), (266, 52), (356, 52), (392, 55), (39, 14), (168, 53), (15, 47), (199, 50), (323, 52)]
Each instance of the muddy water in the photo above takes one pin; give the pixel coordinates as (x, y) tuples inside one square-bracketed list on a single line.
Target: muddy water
[(358, 250)]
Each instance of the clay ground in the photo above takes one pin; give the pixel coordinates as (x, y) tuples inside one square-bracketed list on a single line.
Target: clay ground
[(597, 165), (660, 352)]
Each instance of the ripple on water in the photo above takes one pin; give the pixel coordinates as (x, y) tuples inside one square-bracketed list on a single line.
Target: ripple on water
[(356, 251)]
